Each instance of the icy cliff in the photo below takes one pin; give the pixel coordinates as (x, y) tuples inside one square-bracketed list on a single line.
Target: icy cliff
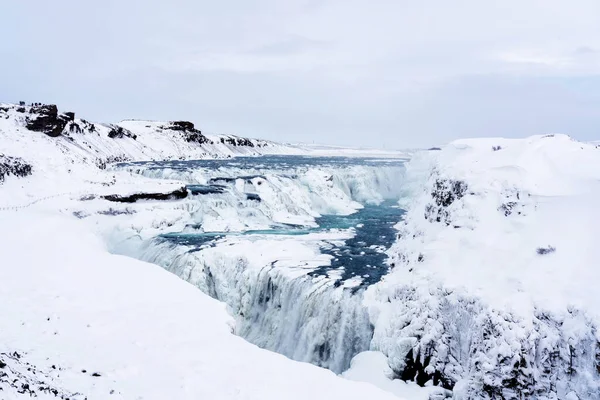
[(492, 291)]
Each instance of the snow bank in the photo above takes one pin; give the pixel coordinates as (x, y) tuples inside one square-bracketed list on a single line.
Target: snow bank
[(87, 324), (493, 285)]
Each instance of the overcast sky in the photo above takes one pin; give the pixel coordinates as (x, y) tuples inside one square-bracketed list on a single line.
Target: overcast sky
[(372, 73)]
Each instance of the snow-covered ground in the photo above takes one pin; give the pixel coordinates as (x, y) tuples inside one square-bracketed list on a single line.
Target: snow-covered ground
[(493, 288)]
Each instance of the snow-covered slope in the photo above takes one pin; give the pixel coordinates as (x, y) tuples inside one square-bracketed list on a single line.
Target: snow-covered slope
[(493, 289), (48, 139), (80, 323)]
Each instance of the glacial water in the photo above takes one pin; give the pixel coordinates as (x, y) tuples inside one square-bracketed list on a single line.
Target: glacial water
[(316, 314), (373, 225)]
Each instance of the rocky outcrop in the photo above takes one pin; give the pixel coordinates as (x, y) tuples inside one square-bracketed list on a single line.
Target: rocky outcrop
[(46, 119), (13, 166), (180, 193), (118, 132), (188, 131), (237, 141)]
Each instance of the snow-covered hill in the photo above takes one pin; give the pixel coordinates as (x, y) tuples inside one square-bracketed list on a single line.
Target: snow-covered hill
[(493, 290), (46, 138)]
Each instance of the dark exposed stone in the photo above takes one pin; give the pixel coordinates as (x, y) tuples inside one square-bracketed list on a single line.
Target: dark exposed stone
[(182, 126), (13, 166), (545, 250), (252, 196), (415, 370), (45, 118), (188, 131), (180, 193), (118, 132), (70, 115), (237, 141), (74, 128)]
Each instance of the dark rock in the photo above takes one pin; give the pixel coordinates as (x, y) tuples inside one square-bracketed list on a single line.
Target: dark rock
[(13, 166), (182, 126), (545, 250), (118, 132), (237, 141), (434, 149), (416, 371), (21, 109), (70, 116), (180, 193), (96, 374), (21, 103), (103, 162), (45, 118), (74, 127), (188, 131), (253, 196)]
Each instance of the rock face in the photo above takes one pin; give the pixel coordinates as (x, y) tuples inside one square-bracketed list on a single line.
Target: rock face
[(237, 141), (45, 118), (182, 126), (180, 193), (118, 132), (188, 131), (13, 166)]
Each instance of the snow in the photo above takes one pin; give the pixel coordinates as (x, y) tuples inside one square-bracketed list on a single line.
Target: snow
[(135, 329), (372, 367), (147, 333), (472, 303), (469, 294)]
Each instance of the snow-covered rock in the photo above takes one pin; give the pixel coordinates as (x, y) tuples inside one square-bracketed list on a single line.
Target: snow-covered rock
[(493, 287)]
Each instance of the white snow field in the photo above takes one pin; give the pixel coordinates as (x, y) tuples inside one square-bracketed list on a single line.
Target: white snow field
[(491, 292)]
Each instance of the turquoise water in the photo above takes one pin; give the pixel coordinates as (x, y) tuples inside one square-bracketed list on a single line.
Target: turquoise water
[(373, 225)]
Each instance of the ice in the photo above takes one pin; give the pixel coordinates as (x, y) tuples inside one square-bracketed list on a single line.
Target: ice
[(470, 300)]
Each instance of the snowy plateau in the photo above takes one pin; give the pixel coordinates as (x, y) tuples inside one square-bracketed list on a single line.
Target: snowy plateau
[(150, 260)]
